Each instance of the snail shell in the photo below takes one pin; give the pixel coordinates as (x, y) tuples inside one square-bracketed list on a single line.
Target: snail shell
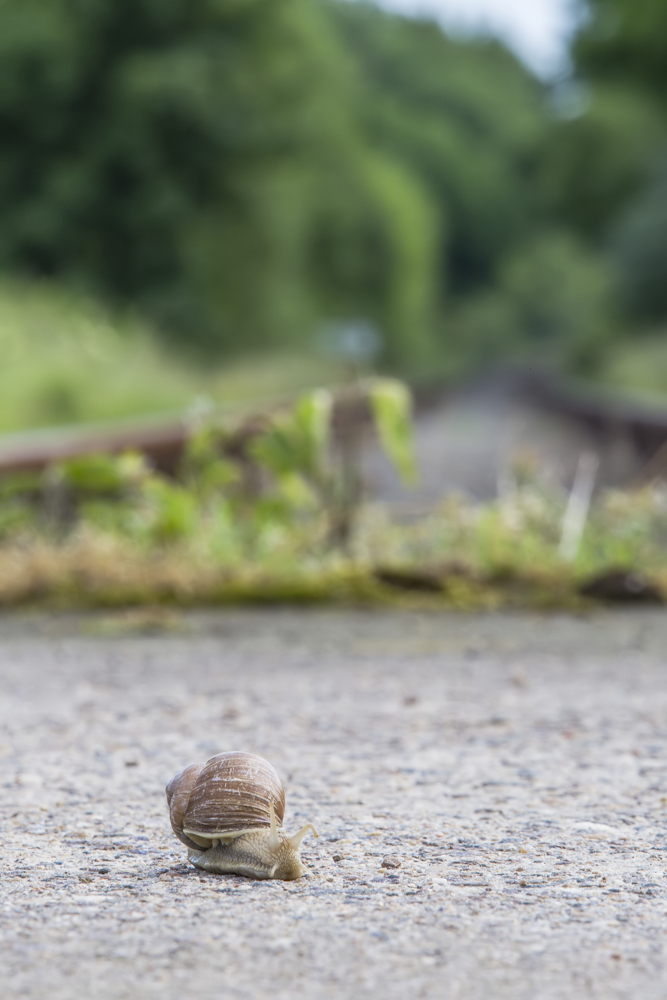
[(229, 812)]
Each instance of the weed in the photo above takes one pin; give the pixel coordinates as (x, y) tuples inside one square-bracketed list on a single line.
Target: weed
[(275, 514)]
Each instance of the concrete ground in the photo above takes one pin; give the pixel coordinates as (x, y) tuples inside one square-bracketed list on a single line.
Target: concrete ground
[(515, 766)]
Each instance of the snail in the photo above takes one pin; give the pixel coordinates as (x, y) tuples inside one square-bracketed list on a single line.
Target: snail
[(229, 813)]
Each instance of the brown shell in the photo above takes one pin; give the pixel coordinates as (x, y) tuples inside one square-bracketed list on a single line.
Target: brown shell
[(178, 791), (229, 792)]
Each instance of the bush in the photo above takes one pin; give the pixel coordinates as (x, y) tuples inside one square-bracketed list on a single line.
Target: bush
[(553, 302)]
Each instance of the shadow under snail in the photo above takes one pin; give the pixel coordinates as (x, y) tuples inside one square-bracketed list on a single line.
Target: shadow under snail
[(229, 813)]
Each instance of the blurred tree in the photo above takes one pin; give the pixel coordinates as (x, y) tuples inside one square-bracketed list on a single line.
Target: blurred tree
[(621, 49), (507, 180), (594, 162), (188, 155), (244, 170), (465, 118), (552, 299), (124, 119), (639, 247), (625, 41)]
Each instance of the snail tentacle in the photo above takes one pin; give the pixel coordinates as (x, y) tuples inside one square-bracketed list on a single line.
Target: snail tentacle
[(296, 838)]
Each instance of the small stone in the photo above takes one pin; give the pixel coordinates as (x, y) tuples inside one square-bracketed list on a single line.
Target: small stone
[(391, 861), (338, 857)]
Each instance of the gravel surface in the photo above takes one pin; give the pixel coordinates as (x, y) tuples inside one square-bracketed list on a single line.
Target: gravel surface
[(490, 791)]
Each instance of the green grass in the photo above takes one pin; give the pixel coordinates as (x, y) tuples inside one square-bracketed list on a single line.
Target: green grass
[(66, 360)]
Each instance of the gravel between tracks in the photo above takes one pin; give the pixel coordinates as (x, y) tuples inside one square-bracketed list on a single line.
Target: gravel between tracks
[(516, 765)]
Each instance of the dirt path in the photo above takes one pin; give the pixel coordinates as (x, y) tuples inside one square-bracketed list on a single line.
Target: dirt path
[(516, 765)]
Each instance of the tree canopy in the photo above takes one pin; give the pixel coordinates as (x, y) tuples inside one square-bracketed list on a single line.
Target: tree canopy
[(621, 51), (245, 171), (625, 41)]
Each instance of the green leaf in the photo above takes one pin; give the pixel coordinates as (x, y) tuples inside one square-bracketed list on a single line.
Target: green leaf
[(298, 442), (102, 473), (312, 416), (391, 404), (174, 510)]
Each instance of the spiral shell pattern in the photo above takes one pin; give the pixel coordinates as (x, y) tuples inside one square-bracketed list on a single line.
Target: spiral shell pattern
[(230, 793)]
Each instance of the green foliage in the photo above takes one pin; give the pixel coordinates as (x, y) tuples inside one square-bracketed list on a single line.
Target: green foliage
[(372, 254), (639, 247), (201, 161), (105, 529), (614, 188), (19, 496), (516, 193), (242, 172), (465, 119), (65, 360), (553, 299), (512, 544), (285, 481), (168, 548), (625, 41), (298, 442), (301, 444), (594, 163), (103, 474), (392, 409), (170, 513), (126, 121)]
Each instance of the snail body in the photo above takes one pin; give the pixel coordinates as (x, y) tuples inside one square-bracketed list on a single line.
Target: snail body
[(229, 812)]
